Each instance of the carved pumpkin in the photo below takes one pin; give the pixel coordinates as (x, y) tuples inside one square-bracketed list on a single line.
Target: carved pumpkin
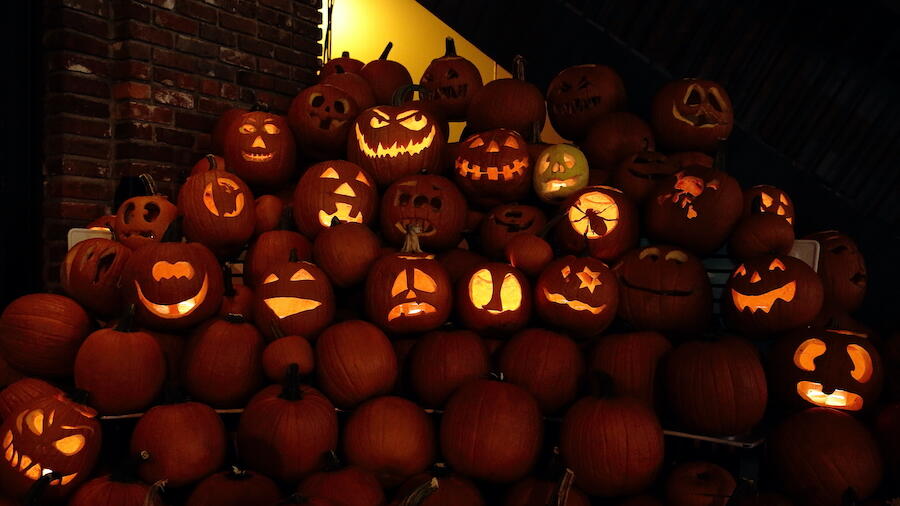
[(493, 168), (390, 142), (451, 81), (528, 253), (504, 222), (355, 361), (760, 234), (639, 174), (385, 76), (560, 171), (842, 269), (613, 137), (696, 209), (23, 391), (333, 189), (173, 285), (826, 367), (664, 288), (692, 483), (218, 210), (600, 220), (350, 486), (491, 431), (40, 333), (222, 128), (631, 360), (579, 95), (580, 295), (90, 274), (716, 387), (144, 220), (270, 249), (430, 205), (346, 252), (321, 116), (260, 149), (353, 84), (768, 199), (692, 115), (441, 361), (546, 364), (51, 434), (771, 294), (346, 63), (235, 488), (511, 103), (493, 298), (296, 298)]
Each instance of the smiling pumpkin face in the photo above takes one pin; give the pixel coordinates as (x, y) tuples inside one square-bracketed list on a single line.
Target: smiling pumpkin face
[(260, 149), (333, 189), (493, 167), (296, 297), (580, 295)]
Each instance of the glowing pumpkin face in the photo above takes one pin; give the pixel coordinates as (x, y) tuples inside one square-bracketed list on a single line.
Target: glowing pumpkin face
[(600, 219), (333, 189), (493, 167), (90, 274), (826, 367), (451, 80), (493, 297), (408, 292), (260, 149), (578, 294), (142, 220), (768, 199), (560, 171), (218, 209), (692, 114), (842, 269), (49, 435), (296, 297), (321, 116), (431, 205), (579, 95), (771, 294)]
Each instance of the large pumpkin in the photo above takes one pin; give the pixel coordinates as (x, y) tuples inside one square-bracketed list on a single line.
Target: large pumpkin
[(579, 95), (547, 364), (493, 298), (333, 189), (692, 115), (451, 81), (354, 361), (599, 220), (504, 222), (218, 210), (632, 361), (321, 117), (235, 488), (760, 234), (113, 490), (441, 361), (493, 168), (279, 354), (260, 149), (272, 248), (491, 431), (580, 295), (346, 252), (842, 269), (430, 205), (613, 137), (350, 486), (295, 297), (90, 274), (637, 175)]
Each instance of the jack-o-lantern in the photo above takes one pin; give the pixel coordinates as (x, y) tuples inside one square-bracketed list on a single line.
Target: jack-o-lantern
[(768, 199), (696, 208), (493, 298), (771, 294), (504, 222), (560, 171), (333, 189), (431, 205), (664, 288), (294, 297), (580, 295), (173, 285), (842, 269), (390, 142), (354, 84), (105, 222), (600, 220), (90, 274), (344, 61), (49, 435), (639, 174), (260, 149), (692, 114), (321, 117), (493, 167), (579, 95), (826, 367), (218, 210), (143, 220), (451, 81)]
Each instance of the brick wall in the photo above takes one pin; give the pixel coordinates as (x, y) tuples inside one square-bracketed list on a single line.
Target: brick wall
[(135, 86)]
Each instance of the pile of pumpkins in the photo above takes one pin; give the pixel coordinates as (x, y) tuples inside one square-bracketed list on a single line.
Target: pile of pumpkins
[(475, 303)]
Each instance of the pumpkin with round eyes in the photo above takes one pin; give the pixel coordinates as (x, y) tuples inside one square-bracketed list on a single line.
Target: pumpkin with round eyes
[(639, 174), (321, 117), (493, 298), (430, 205), (600, 220), (560, 171), (831, 368), (579, 95), (260, 149), (144, 220), (294, 297), (390, 142), (493, 167), (451, 81), (842, 269), (771, 294), (767, 199), (333, 189), (613, 137), (218, 210), (580, 295), (664, 288), (51, 434), (90, 274), (695, 208), (692, 115), (504, 222), (344, 61)]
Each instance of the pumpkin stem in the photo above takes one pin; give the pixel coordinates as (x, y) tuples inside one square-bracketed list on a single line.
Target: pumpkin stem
[(411, 241), (126, 321), (601, 384), (563, 486), (235, 318), (332, 461), (439, 470), (519, 67), (345, 54), (153, 495), (387, 51), (36, 492), (211, 161), (496, 376), (149, 184), (449, 47), (404, 93), (238, 474), (291, 390), (260, 106), (420, 493), (112, 233)]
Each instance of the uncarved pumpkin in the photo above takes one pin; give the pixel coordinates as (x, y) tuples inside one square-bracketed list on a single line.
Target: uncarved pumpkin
[(442, 361), (235, 488), (110, 491), (546, 364), (351, 486), (614, 136), (536, 492), (346, 252), (631, 360), (284, 351), (354, 362), (507, 103), (385, 76), (699, 483)]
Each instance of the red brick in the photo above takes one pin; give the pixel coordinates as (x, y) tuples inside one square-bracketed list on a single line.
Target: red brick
[(147, 33), (256, 46), (293, 57), (284, 5), (193, 121), (248, 95), (144, 112), (210, 87), (280, 103), (304, 76), (172, 59), (95, 7), (69, 39), (77, 167), (161, 173), (73, 104), (73, 210), (255, 79), (76, 145), (230, 91), (130, 69), (277, 19), (175, 78), (195, 9), (175, 22), (143, 151), (165, 4), (310, 13), (211, 68), (174, 137), (276, 36), (64, 60), (286, 87), (197, 47), (246, 8), (238, 58), (134, 130), (237, 23), (131, 90), (309, 32), (130, 50), (68, 18), (68, 82), (212, 106), (79, 126), (80, 188), (308, 45), (131, 9), (273, 67), (173, 98), (185, 158)]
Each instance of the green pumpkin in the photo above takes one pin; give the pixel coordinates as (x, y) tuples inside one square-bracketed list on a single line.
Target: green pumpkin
[(560, 171)]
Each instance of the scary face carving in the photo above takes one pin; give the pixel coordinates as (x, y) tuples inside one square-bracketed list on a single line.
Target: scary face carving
[(493, 168), (664, 288), (771, 294), (408, 292), (560, 171), (826, 367), (295, 297), (507, 221), (768, 199), (218, 210), (333, 189), (842, 269), (692, 114), (260, 149), (142, 220), (48, 435), (579, 95), (580, 295), (451, 81), (321, 117), (392, 142), (493, 297), (639, 174), (600, 219), (173, 285), (90, 274), (430, 205)]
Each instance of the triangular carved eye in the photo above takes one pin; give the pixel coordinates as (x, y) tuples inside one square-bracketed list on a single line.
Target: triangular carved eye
[(511, 142), (424, 282), (766, 199), (692, 97), (329, 173), (363, 179), (740, 271), (302, 275), (271, 278), (776, 264), (783, 199), (476, 142)]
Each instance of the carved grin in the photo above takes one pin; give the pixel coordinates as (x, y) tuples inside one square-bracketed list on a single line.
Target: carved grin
[(27, 466), (671, 293), (424, 227), (576, 106), (765, 301), (179, 309), (812, 392), (696, 120), (507, 171), (257, 157), (328, 123), (410, 309), (289, 306), (412, 148), (555, 185), (342, 211), (577, 305)]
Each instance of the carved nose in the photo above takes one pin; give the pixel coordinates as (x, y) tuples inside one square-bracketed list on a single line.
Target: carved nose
[(755, 278), (410, 295), (493, 147), (259, 142)]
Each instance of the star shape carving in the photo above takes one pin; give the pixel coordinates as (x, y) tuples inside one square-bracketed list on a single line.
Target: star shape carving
[(589, 279)]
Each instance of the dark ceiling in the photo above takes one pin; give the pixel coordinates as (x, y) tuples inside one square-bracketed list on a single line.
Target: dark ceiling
[(815, 88)]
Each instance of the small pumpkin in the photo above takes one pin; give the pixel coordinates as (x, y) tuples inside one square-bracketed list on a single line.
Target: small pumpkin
[(344, 61), (528, 253), (321, 116), (385, 76), (333, 189), (692, 115), (350, 486), (442, 361), (493, 168), (580, 295), (452, 490), (90, 274), (430, 205), (559, 171), (143, 220), (451, 81), (768, 199), (538, 492), (354, 362), (269, 209), (271, 248), (346, 252), (260, 149), (235, 488), (546, 364), (579, 95), (493, 298), (600, 220), (504, 222), (613, 137), (760, 234), (284, 351), (112, 489), (218, 210), (510, 103)]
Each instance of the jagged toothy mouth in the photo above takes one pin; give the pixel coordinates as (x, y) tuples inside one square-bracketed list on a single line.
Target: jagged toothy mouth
[(458, 91), (411, 148), (257, 157), (27, 466), (576, 106), (475, 172), (765, 301)]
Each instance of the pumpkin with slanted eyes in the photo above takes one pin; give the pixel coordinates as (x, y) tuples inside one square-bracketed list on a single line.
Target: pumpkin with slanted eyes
[(493, 167), (451, 81), (493, 297), (90, 274), (692, 115), (504, 222), (430, 205), (579, 95), (260, 149), (333, 189), (768, 199), (296, 297), (600, 220), (580, 295), (321, 116), (842, 269)]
